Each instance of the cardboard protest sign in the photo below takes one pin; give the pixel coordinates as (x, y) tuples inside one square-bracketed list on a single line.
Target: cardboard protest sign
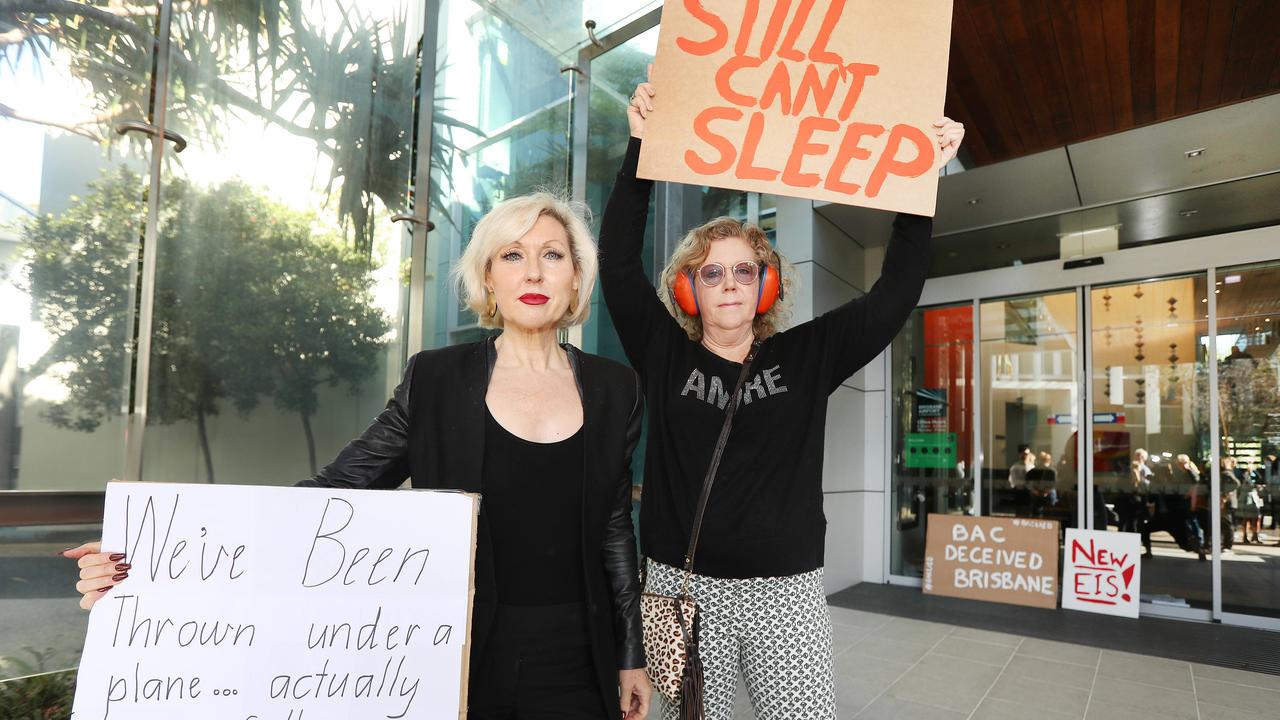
[(282, 604), (830, 100), (1102, 572), (997, 559)]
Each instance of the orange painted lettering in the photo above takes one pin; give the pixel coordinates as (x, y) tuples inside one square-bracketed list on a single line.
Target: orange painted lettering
[(778, 86), (713, 21), (818, 51), (860, 73), (702, 128), (792, 175), (850, 149), (889, 164), (725, 74), (749, 14), (747, 170), (789, 50), (774, 29), (810, 83)]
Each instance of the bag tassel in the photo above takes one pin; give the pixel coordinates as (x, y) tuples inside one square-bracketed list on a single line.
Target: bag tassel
[(691, 707)]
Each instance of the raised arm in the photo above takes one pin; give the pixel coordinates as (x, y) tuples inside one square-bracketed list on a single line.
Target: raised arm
[(632, 301)]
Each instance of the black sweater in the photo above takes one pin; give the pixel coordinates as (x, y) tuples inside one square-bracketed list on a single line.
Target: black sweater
[(764, 518)]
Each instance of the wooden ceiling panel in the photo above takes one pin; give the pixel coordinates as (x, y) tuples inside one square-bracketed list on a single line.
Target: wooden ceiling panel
[(1031, 75)]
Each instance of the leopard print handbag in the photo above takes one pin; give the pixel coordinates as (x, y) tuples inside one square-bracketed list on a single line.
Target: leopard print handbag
[(671, 621)]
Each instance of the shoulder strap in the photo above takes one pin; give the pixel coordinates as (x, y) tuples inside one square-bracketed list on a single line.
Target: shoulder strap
[(715, 463)]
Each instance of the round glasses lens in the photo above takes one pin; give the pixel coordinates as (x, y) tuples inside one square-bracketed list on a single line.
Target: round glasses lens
[(744, 273), (711, 274)]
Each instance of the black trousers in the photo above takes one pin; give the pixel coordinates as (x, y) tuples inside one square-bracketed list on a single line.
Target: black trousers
[(537, 665)]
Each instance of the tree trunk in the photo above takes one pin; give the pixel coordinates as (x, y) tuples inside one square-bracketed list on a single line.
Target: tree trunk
[(311, 441), (204, 444)]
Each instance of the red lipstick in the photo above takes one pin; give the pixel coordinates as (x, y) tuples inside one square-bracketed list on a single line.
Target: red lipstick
[(534, 299)]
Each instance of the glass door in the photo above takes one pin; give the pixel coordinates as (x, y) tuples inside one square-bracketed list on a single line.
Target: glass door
[(1150, 443)]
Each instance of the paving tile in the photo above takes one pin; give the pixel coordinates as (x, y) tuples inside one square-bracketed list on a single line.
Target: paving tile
[(1115, 699), (889, 649), (844, 637), (890, 708), (1060, 652), (860, 679), (1209, 711), (1241, 697), (857, 618), (914, 631), (996, 709), (985, 653), (1174, 674), (1041, 692), (1037, 669), (1239, 677), (987, 636), (945, 682)]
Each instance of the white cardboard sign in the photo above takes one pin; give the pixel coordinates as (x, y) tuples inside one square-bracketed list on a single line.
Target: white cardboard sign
[(275, 603), (1102, 572)]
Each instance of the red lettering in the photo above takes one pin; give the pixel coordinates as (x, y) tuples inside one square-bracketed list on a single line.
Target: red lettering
[(850, 150), (702, 128), (860, 72), (749, 14), (889, 163), (1077, 550), (789, 50), (713, 21), (1080, 589), (818, 51), (810, 83), (778, 86), (774, 29), (747, 170), (802, 147), (725, 74)]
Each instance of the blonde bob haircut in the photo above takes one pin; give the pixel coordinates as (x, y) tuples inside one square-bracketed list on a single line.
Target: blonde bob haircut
[(506, 223), (693, 251)]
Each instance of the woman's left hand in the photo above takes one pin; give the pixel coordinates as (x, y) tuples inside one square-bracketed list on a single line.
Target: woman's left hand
[(636, 693), (949, 135)]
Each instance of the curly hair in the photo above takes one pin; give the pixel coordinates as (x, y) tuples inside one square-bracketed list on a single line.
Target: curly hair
[(693, 251)]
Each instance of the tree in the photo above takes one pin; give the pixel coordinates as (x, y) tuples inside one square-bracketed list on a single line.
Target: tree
[(249, 303), (346, 85)]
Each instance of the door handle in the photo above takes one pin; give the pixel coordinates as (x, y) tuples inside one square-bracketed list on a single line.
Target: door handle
[(128, 126)]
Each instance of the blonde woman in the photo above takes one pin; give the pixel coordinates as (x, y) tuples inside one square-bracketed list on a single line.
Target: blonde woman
[(758, 569), (546, 433)]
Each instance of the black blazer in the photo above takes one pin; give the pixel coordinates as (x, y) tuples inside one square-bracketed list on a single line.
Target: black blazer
[(433, 430)]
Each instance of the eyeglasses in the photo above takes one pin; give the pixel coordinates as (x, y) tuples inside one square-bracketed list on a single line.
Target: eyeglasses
[(745, 272)]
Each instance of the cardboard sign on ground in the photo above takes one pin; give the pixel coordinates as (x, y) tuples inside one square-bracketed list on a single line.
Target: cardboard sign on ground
[(1102, 572), (830, 100), (996, 559), (282, 603)]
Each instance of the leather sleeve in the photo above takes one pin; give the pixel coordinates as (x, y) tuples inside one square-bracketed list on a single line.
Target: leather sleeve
[(379, 458), (620, 564)]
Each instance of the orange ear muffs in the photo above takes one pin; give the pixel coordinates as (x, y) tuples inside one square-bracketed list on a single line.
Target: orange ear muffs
[(683, 295), (770, 288)]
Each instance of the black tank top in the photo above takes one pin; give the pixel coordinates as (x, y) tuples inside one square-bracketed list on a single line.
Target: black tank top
[(532, 498)]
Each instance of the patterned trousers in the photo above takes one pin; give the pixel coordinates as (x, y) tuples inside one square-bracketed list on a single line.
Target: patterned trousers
[(776, 630)]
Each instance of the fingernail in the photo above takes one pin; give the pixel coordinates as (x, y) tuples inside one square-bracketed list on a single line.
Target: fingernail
[(116, 556), (105, 588), (119, 576), (63, 551), (122, 567)]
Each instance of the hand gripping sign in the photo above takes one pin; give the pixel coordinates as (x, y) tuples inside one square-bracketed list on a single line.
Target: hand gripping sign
[(824, 99), (271, 603)]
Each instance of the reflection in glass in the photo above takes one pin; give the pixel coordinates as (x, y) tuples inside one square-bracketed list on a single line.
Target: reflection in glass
[(1030, 396), (1151, 453), (1248, 357), (932, 428)]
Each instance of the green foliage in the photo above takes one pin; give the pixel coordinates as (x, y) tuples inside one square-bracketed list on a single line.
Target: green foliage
[(250, 302), (35, 694)]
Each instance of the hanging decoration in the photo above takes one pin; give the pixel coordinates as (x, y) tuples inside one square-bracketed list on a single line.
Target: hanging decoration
[(1173, 304)]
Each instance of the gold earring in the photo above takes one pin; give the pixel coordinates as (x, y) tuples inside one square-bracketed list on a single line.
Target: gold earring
[(573, 302), (491, 306)]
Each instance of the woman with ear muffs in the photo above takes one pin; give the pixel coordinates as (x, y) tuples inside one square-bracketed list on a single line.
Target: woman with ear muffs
[(756, 575)]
